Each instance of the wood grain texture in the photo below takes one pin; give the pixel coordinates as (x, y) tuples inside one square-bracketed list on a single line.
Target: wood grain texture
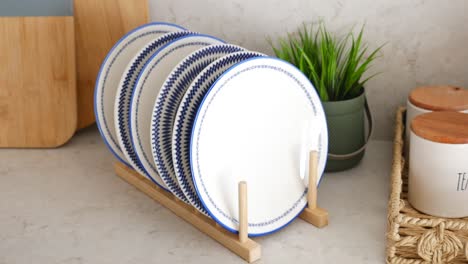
[(444, 127), (248, 250), (440, 98), (37, 81), (98, 26)]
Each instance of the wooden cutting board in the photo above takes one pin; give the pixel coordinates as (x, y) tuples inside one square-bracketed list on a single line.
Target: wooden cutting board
[(37, 81), (98, 26)]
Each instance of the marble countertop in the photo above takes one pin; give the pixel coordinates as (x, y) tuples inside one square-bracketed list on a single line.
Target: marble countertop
[(67, 206)]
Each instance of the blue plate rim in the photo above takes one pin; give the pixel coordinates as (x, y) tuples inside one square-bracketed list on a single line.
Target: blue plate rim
[(173, 35), (134, 94), (192, 140), (96, 84), (209, 50)]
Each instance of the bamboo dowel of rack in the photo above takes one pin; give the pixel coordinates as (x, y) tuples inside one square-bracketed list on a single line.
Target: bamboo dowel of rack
[(243, 217), (240, 244), (312, 213)]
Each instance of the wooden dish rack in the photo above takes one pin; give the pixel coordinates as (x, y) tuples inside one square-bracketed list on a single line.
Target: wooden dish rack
[(240, 244)]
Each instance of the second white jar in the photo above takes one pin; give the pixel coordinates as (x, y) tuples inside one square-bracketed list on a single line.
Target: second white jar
[(427, 99)]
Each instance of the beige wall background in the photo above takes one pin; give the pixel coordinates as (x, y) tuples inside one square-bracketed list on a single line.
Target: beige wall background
[(426, 40)]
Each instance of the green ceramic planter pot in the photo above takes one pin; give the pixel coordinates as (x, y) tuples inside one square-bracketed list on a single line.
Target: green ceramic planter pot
[(346, 132)]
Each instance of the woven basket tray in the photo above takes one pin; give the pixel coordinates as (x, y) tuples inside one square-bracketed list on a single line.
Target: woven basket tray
[(412, 236)]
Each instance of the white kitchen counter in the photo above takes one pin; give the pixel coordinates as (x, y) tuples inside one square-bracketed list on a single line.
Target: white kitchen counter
[(67, 206)]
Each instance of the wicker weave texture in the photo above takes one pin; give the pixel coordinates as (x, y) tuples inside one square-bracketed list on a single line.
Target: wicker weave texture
[(412, 236)]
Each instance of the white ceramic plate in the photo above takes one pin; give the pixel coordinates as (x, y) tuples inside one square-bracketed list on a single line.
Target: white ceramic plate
[(124, 94), (165, 108), (147, 87), (185, 117), (250, 127), (110, 73)]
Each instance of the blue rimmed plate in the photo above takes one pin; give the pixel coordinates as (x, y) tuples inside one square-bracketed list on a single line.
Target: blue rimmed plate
[(110, 73), (124, 94), (167, 102), (251, 126), (186, 115), (147, 87)]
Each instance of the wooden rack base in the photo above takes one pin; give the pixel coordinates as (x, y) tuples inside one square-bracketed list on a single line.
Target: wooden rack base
[(240, 244)]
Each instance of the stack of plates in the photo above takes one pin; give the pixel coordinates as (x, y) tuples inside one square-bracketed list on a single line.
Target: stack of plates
[(196, 115)]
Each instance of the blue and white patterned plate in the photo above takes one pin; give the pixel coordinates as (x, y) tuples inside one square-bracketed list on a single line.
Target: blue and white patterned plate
[(124, 94), (110, 73), (167, 102), (186, 115), (147, 87), (251, 126)]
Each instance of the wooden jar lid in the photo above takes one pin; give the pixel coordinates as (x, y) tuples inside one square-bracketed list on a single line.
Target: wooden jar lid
[(443, 127), (440, 98)]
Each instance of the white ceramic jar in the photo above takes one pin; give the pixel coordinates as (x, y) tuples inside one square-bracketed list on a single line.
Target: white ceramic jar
[(427, 99), (438, 164)]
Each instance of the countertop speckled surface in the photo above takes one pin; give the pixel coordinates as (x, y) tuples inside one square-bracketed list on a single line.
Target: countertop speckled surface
[(67, 206)]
